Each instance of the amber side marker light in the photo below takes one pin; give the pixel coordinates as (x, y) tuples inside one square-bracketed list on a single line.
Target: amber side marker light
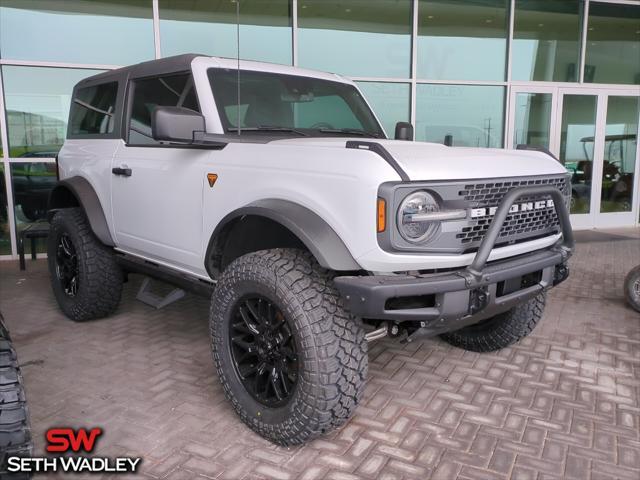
[(212, 177), (382, 215)]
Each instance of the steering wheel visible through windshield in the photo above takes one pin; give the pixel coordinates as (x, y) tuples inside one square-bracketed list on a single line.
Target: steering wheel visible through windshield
[(279, 103)]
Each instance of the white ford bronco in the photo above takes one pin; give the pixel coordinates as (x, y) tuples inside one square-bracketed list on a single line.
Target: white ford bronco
[(275, 191)]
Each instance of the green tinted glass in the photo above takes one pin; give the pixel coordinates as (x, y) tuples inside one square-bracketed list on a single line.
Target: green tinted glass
[(620, 146), (462, 39), (5, 238), (613, 44), (532, 119), (32, 182), (203, 26), (37, 101), (463, 115), (366, 39), (109, 32), (576, 147), (546, 40), (390, 102)]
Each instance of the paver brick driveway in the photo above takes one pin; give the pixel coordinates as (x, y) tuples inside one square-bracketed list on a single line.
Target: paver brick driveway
[(563, 403)]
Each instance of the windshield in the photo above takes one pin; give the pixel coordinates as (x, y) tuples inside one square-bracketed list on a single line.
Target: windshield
[(273, 102)]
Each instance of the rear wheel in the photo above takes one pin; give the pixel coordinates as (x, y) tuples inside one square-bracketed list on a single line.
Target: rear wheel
[(15, 433), (85, 277), (500, 331), (291, 359)]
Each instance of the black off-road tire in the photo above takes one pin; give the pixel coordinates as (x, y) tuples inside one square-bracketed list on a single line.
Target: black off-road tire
[(100, 277), (330, 344), (500, 331), (632, 288), (15, 432)]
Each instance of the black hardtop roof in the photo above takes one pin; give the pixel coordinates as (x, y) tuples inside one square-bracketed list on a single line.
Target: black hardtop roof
[(176, 63)]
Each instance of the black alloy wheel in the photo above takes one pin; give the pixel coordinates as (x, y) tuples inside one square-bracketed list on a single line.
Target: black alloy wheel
[(67, 265), (291, 359), (263, 350), (85, 276)]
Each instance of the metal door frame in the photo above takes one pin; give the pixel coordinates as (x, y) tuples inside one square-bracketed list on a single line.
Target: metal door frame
[(593, 219)]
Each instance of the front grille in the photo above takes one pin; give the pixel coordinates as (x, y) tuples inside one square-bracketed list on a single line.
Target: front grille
[(518, 226)]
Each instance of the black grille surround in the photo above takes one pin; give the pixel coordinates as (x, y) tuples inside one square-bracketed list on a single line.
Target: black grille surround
[(517, 226), (465, 235)]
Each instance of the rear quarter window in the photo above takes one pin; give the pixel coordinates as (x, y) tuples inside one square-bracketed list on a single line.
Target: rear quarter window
[(93, 110)]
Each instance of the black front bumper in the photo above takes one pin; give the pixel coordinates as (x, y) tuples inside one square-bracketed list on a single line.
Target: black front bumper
[(444, 302)]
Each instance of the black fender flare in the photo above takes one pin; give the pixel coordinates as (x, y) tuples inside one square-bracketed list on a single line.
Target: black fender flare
[(87, 199), (316, 234)]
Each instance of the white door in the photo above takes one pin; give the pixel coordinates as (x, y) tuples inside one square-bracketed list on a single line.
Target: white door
[(157, 203), (157, 189)]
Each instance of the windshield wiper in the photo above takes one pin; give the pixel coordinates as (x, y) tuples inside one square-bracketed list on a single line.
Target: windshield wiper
[(350, 131), (267, 128)]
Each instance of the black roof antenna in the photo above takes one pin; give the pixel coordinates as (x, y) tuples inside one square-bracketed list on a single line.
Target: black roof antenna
[(239, 127)]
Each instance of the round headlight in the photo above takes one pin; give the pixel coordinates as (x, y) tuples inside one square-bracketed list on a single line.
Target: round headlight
[(414, 204)]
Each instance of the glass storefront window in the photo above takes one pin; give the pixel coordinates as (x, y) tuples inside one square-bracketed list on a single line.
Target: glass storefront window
[(210, 28), (37, 103), (110, 32), (5, 242), (546, 40), (613, 44), (466, 115), (620, 146), (389, 101), (462, 39), (576, 147), (31, 182), (365, 39), (532, 119), (5, 236)]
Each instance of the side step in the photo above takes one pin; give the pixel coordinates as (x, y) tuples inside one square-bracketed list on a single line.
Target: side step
[(145, 295), (150, 269)]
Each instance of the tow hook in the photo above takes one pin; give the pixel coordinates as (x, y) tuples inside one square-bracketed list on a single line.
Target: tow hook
[(478, 299), (560, 274)]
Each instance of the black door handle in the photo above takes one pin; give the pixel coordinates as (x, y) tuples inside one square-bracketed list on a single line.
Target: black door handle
[(125, 172)]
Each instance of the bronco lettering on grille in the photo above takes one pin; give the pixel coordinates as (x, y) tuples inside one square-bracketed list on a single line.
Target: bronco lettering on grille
[(515, 208)]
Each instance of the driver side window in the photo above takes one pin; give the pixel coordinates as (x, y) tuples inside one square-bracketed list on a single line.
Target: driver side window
[(175, 90)]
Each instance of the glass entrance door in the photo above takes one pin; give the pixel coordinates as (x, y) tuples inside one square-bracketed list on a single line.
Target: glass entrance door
[(619, 185), (575, 149), (598, 144), (594, 133)]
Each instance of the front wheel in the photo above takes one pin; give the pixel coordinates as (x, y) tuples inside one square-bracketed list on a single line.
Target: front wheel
[(85, 277), (500, 331), (632, 288), (291, 359)]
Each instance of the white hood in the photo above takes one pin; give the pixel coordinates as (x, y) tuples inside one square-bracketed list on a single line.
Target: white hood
[(433, 161)]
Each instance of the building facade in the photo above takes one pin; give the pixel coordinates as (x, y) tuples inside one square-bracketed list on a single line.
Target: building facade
[(563, 74)]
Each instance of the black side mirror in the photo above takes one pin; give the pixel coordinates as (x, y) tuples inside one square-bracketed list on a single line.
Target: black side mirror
[(175, 124), (404, 131)]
